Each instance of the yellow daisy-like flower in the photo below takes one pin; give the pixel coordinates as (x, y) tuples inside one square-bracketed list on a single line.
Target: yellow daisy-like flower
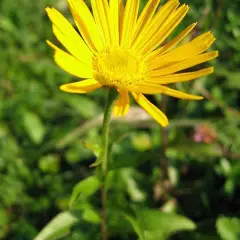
[(118, 48)]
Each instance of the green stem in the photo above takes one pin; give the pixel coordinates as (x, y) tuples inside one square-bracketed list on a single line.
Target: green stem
[(112, 94)]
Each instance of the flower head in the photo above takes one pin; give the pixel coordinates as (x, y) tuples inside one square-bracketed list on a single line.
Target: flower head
[(118, 48)]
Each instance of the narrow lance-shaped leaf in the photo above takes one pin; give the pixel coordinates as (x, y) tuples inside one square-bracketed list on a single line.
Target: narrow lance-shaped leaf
[(85, 188), (58, 227)]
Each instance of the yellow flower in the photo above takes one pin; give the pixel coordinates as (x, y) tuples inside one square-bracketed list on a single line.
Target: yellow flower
[(117, 48)]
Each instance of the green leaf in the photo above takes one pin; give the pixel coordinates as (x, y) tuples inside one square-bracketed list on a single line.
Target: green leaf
[(91, 215), (84, 188), (98, 160), (126, 160), (135, 193), (77, 153), (57, 227), (194, 150), (34, 126), (141, 141), (159, 225), (232, 77), (135, 226), (83, 105), (98, 152), (49, 163), (4, 219), (228, 228)]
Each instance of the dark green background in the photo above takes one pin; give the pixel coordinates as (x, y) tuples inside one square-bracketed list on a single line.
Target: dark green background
[(40, 162)]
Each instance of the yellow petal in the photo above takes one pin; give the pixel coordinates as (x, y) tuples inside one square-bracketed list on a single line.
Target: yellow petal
[(129, 21), (180, 77), (151, 109), (101, 14), (187, 50), (121, 105), (156, 25), (70, 64), (83, 86), (145, 17), (167, 47), (176, 67), (154, 88), (114, 21), (121, 14), (86, 24), (165, 31), (68, 37)]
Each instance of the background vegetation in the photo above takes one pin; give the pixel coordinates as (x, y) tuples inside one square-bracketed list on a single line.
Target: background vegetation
[(187, 174)]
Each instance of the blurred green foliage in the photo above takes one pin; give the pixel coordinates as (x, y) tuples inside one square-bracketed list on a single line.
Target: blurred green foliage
[(189, 173)]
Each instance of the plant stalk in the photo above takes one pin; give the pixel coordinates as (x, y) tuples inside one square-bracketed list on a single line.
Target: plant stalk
[(112, 94)]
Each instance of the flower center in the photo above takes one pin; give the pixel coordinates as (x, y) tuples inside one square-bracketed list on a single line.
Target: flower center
[(118, 68)]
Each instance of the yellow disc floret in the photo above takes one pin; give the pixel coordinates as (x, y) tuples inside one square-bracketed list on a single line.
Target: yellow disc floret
[(118, 68)]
